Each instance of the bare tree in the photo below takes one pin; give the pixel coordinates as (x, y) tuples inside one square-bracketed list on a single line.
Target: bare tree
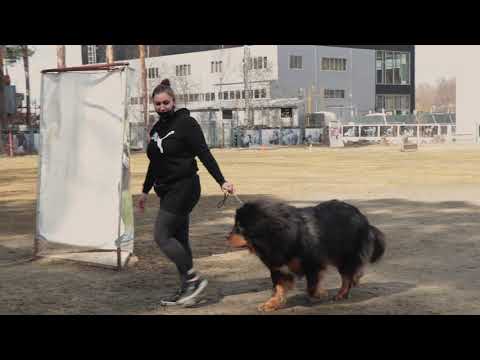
[(425, 95), (438, 97), (255, 70), (445, 95), (185, 86)]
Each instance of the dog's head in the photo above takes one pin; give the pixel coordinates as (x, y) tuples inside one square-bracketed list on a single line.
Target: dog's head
[(238, 237), (254, 222)]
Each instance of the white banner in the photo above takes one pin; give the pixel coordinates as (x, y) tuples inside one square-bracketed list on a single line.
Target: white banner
[(83, 195)]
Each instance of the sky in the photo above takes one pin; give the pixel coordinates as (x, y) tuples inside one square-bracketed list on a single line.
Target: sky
[(432, 62)]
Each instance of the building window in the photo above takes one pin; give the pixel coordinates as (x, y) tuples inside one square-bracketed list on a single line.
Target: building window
[(255, 63), (397, 104), (92, 54), (334, 94), (183, 70), (392, 68), (215, 66), (380, 103), (225, 95), (243, 94), (296, 62), (212, 96), (220, 96), (257, 94), (389, 67), (237, 94), (265, 62), (263, 93), (207, 97), (396, 68), (232, 95), (405, 103), (286, 112), (380, 64), (227, 114), (404, 68), (153, 73), (334, 64)]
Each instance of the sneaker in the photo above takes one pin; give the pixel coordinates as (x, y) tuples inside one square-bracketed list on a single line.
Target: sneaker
[(172, 299), (193, 289)]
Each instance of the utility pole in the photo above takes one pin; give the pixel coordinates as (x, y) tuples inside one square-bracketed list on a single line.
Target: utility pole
[(61, 56), (109, 53), (27, 81), (2, 97), (143, 74), (246, 69)]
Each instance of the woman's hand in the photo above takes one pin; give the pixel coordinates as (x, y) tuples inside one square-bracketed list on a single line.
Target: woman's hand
[(141, 202), (228, 187)]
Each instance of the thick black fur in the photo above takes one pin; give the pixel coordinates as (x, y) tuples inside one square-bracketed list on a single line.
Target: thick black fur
[(331, 233)]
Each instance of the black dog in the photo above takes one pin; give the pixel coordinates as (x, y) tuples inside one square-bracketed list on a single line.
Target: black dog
[(301, 242)]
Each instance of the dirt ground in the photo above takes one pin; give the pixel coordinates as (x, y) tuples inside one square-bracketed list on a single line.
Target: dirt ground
[(427, 203)]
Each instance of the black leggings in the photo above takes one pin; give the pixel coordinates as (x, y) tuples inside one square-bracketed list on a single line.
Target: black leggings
[(172, 223), (171, 235)]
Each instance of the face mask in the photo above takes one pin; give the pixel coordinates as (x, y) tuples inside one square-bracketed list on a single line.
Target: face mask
[(166, 115)]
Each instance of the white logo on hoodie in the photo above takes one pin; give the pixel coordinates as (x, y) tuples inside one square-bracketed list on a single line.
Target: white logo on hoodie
[(159, 140)]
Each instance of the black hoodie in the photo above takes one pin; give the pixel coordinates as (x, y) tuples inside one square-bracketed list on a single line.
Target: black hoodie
[(174, 143)]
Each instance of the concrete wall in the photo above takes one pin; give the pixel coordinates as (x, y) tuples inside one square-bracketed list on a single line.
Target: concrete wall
[(358, 81), (468, 95)]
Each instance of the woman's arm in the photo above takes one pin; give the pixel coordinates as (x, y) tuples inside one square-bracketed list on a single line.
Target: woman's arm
[(197, 142), (149, 179)]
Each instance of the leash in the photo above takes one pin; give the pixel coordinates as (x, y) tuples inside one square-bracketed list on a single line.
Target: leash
[(224, 200)]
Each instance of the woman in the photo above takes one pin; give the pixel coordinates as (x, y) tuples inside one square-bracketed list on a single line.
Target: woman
[(176, 139)]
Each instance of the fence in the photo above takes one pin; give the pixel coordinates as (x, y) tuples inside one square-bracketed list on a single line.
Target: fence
[(20, 142)]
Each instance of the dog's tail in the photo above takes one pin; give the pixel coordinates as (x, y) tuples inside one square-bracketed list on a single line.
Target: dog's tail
[(378, 240)]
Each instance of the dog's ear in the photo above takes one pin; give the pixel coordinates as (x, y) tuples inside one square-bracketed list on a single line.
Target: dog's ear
[(245, 209)]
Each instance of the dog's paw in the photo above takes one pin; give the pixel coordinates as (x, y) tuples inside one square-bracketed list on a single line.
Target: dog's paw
[(271, 305), (319, 295), (341, 296)]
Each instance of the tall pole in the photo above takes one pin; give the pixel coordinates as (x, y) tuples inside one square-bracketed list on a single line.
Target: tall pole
[(60, 56), (246, 69), (27, 81), (109, 53), (143, 74), (2, 97)]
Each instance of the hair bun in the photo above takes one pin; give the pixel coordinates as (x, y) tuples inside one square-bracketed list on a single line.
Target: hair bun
[(165, 82)]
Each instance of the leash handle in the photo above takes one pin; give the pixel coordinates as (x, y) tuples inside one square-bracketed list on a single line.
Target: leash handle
[(224, 200)]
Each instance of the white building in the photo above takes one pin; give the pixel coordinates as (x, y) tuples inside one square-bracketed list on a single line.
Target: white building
[(284, 81)]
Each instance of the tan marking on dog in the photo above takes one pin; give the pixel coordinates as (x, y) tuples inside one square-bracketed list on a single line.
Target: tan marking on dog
[(279, 297), (345, 289), (357, 276), (319, 292), (237, 241)]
